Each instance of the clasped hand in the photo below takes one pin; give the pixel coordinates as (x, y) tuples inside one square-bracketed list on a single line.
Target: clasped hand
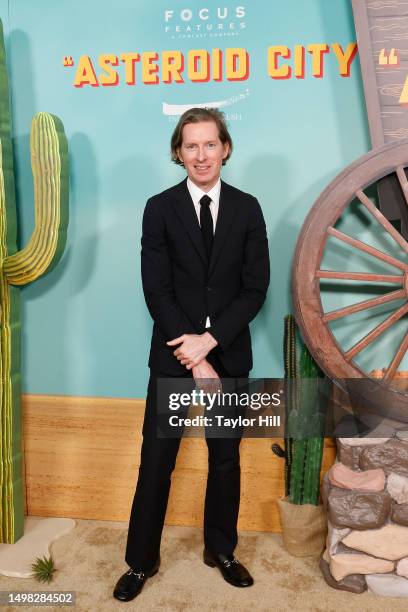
[(193, 348), (192, 353)]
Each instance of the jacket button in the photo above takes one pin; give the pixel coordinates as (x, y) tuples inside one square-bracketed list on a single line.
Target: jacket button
[(209, 288)]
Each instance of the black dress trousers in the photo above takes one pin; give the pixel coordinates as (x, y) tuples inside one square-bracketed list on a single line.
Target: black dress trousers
[(158, 459)]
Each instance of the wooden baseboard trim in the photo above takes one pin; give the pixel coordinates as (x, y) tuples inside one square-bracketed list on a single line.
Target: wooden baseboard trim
[(82, 459)]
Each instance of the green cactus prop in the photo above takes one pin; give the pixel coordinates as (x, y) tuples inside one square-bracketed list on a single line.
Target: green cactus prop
[(291, 373), (305, 418), (49, 158), (306, 422)]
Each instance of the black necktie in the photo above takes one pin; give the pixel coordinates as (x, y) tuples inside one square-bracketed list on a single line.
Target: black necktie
[(206, 222)]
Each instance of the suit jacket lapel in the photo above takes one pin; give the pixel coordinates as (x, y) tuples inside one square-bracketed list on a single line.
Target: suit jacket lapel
[(184, 208), (224, 220)]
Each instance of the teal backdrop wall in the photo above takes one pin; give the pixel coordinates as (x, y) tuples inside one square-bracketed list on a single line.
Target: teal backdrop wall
[(86, 330)]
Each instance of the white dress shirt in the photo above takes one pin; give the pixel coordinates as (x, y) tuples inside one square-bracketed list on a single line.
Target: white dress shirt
[(196, 195)]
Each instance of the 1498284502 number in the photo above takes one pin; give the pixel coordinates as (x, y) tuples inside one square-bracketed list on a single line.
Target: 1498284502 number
[(37, 597)]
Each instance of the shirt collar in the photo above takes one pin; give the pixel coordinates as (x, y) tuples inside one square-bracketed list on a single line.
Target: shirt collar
[(197, 193)]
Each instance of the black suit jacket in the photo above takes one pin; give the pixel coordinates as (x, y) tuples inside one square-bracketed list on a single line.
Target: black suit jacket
[(181, 287)]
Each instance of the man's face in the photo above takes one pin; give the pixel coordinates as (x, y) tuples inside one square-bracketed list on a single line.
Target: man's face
[(202, 153)]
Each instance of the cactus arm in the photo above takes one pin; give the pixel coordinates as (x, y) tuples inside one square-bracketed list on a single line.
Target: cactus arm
[(49, 165)]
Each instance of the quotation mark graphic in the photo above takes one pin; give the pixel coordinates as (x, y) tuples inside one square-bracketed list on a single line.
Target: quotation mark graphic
[(404, 94), (390, 58), (68, 61)]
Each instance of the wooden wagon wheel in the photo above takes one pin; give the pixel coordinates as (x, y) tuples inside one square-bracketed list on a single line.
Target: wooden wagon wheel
[(307, 275)]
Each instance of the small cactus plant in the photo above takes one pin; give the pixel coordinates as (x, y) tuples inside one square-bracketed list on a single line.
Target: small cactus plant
[(49, 158)]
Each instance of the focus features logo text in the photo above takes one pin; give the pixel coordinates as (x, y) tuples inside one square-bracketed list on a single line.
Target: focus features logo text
[(193, 21)]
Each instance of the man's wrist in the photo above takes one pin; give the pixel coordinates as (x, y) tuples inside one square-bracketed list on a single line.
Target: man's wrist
[(211, 341)]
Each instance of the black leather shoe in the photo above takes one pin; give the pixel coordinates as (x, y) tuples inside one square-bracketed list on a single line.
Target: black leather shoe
[(231, 569), (130, 584)]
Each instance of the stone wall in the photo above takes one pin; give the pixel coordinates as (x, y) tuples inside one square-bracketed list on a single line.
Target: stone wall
[(366, 498)]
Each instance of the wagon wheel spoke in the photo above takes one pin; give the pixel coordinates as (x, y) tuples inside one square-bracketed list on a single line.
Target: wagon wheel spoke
[(402, 177), (361, 276), (382, 220), (366, 248), (398, 357), (371, 303), (380, 329)]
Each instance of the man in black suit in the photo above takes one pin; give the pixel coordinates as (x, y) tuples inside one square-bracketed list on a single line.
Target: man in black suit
[(205, 272)]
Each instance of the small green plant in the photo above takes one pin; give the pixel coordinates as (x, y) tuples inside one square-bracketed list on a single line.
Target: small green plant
[(43, 569)]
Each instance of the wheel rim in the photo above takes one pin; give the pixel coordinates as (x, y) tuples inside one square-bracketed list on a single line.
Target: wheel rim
[(307, 273)]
